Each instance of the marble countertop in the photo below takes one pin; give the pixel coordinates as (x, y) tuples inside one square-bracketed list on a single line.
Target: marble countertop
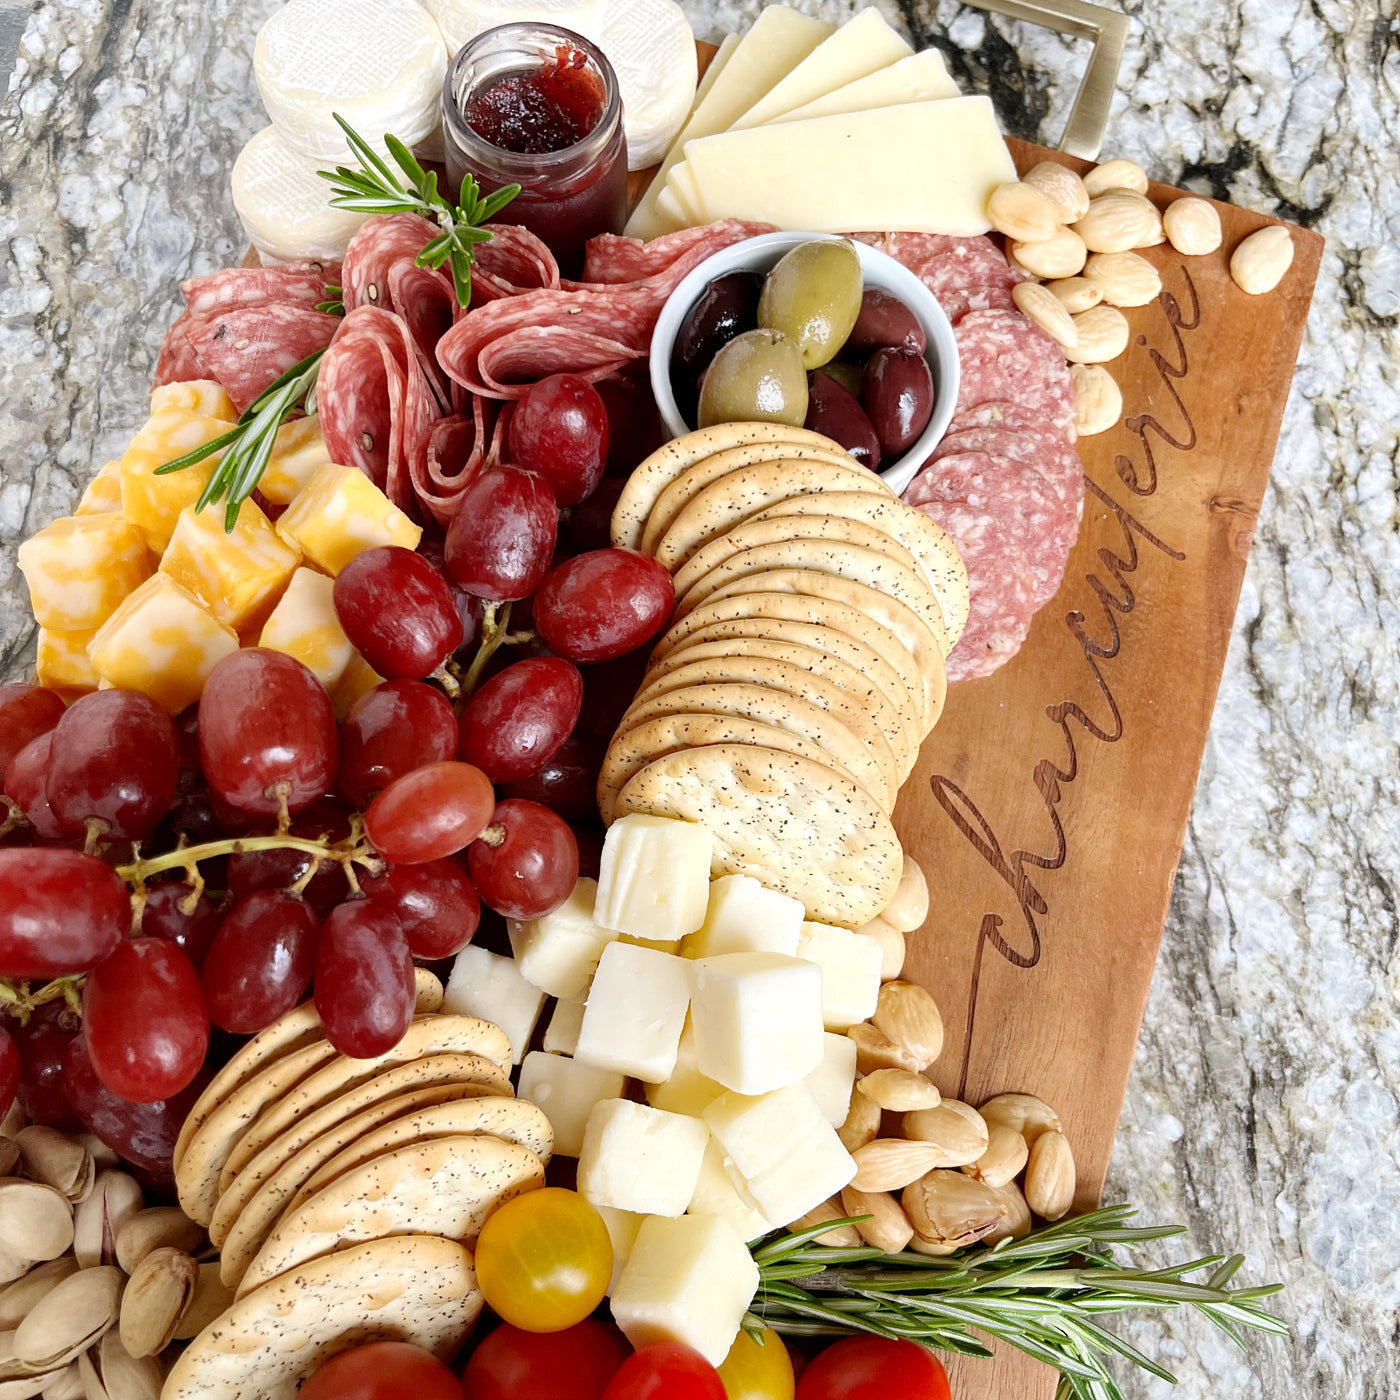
[(1263, 1107)]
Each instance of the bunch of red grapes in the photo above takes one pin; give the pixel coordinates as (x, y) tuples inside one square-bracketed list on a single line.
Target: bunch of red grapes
[(481, 802)]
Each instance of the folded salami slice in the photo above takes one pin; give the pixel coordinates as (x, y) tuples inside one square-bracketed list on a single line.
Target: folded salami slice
[(378, 244), (613, 258), (250, 347), (515, 261), (177, 363), (458, 448), (302, 284)]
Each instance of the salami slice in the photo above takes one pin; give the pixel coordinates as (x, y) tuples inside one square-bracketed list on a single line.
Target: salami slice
[(1045, 452), (425, 299), (456, 453), (377, 245), (178, 362), (613, 258), (246, 349), (514, 262), (1004, 356), (965, 274), (301, 284)]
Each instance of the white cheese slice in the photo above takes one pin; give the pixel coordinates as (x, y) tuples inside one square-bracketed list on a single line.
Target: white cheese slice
[(561, 1035), (922, 77), (566, 1092), (559, 951), (635, 1013), (777, 42), (641, 1159), (744, 917), (833, 1080), (864, 44), (654, 877), (924, 167), (488, 986), (722, 55), (379, 63), (683, 192), (850, 964)]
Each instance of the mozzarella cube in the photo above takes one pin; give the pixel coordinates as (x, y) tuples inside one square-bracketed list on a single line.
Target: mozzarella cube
[(640, 1159), (689, 1280), (832, 1080), (561, 1035), (566, 1091), (783, 1147), (623, 1226), (850, 964), (654, 878), (304, 624), (103, 495), (61, 661), (298, 453), (154, 502), (757, 1020), (743, 917), (559, 952), (162, 641), (340, 513), (687, 1090), (490, 987), (720, 1191), (358, 679), (635, 1012), (202, 396), (80, 568)]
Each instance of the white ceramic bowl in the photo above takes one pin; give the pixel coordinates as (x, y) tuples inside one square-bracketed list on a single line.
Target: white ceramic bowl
[(877, 270)]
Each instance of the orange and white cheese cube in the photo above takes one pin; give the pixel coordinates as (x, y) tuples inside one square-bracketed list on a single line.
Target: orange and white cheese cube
[(79, 568), (341, 513), (237, 575), (155, 502), (359, 679), (162, 641), (296, 456), (203, 396), (104, 492), (304, 625), (62, 663)]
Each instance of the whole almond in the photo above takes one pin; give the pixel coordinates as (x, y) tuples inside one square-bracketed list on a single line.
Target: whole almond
[(843, 1237), (862, 1123), (951, 1210), (1050, 1176), (1022, 212), (889, 1164), (1258, 264), (1103, 335), (1125, 279), (956, 1129), (1192, 226), (910, 1018), (1044, 309), (1118, 221), (1028, 1115), (908, 910), (1016, 1221), (1075, 294), (888, 1227), (1060, 255), (1006, 1154), (899, 1090), (155, 1299), (892, 948), (1062, 187), (1098, 401), (875, 1050), (1116, 175)]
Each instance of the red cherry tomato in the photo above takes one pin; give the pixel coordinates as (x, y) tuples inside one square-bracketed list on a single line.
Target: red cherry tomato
[(666, 1371), (575, 1364), (873, 1368), (382, 1371)]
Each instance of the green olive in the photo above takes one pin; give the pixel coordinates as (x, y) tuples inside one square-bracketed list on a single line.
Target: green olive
[(847, 374), (813, 297), (756, 377)]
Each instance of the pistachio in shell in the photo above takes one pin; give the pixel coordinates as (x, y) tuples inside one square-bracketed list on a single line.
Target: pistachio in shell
[(56, 1160), (156, 1296), (70, 1318), (12, 1121), (9, 1156), (212, 1299), (25, 1387), (103, 1157), (18, 1299), (110, 1372), (155, 1228), (116, 1198), (36, 1221), (12, 1266), (66, 1384)]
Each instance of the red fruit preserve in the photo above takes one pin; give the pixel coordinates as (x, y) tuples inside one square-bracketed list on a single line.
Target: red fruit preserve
[(538, 106)]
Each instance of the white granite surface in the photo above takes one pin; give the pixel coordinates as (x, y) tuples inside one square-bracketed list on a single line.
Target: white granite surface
[(1263, 1108)]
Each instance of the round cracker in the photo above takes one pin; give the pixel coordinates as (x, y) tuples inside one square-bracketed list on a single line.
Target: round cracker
[(652, 476), (414, 1288), (929, 543), (728, 499), (792, 824), (444, 1187)]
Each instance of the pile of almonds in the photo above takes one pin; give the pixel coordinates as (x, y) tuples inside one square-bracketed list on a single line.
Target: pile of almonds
[(94, 1285), (1077, 238)]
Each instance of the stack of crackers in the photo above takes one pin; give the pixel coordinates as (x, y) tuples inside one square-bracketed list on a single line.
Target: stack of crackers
[(343, 1194), (804, 665)]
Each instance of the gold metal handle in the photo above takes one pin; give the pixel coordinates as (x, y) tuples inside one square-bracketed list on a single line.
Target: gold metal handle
[(1108, 30)]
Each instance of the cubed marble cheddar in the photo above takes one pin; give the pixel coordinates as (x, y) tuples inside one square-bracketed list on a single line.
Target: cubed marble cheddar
[(297, 455), (359, 679), (204, 396), (162, 641), (237, 574), (103, 495), (154, 502), (304, 625), (61, 661), (79, 568), (341, 513)]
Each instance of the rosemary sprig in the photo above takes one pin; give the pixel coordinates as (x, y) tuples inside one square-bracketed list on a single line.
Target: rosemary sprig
[(1043, 1294)]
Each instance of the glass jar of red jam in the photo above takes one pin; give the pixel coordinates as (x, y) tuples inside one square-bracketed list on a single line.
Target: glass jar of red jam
[(538, 106)]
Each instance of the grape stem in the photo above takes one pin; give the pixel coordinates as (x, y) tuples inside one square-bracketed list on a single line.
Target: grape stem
[(495, 633), (22, 1003), (493, 836), (354, 850)]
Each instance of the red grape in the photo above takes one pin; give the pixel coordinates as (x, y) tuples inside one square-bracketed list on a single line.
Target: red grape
[(429, 813), (60, 912), (635, 429), (260, 962), (501, 539), (390, 731), (27, 781), (560, 429), (9, 1071), (26, 712), (469, 607), (187, 735), (435, 904), (526, 861), (598, 606), (364, 980), (144, 1021), (520, 718), (42, 1042), (266, 729), (164, 917), (328, 819), (398, 612), (567, 783)]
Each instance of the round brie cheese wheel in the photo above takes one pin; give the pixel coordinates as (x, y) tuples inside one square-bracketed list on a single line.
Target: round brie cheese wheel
[(379, 63), (462, 20), (285, 206)]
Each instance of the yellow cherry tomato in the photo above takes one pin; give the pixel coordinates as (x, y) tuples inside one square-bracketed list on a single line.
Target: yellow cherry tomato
[(544, 1260), (758, 1371)]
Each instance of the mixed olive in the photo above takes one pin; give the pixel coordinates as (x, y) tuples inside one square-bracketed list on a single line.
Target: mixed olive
[(810, 346)]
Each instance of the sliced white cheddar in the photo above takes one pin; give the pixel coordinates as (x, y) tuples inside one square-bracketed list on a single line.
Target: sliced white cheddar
[(654, 877), (924, 167), (864, 44), (304, 624), (640, 1159), (559, 952), (777, 42), (922, 77), (669, 207), (684, 191), (566, 1092), (635, 1012), (488, 986)]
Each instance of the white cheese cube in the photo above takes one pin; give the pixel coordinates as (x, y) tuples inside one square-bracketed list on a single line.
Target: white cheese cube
[(687, 1090), (488, 986), (566, 1092), (850, 964), (720, 1191), (833, 1080), (561, 1035), (743, 917), (654, 879), (559, 952), (662, 945), (689, 1280), (782, 1146), (640, 1159), (636, 1012), (757, 1020), (622, 1231)]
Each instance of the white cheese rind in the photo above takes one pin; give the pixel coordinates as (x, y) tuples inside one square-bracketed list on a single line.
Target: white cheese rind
[(850, 964), (640, 1159), (635, 1012), (743, 917), (566, 1093), (654, 877), (488, 986), (922, 77), (559, 951)]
